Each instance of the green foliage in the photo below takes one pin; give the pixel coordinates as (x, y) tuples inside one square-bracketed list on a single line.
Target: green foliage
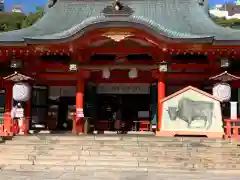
[(14, 21), (226, 22), (32, 18), (11, 21)]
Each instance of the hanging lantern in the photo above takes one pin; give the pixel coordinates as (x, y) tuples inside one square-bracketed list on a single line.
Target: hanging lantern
[(73, 67), (133, 73), (163, 66), (106, 73), (15, 63), (21, 92), (222, 91), (225, 63)]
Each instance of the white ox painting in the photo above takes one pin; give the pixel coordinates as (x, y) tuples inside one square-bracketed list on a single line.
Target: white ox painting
[(191, 111)]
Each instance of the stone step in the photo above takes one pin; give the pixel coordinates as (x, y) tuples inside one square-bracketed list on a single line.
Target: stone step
[(115, 165), (183, 157), (183, 173), (125, 138), (128, 149), (119, 152), (16, 162), (118, 144)]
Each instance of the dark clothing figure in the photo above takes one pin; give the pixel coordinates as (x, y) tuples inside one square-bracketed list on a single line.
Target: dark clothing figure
[(116, 120)]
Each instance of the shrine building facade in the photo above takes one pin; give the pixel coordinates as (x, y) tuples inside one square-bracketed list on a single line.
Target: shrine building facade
[(114, 59)]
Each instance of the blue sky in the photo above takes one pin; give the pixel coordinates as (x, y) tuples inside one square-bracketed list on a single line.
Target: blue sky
[(30, 5)]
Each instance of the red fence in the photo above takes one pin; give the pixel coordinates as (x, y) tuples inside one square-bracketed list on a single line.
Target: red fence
[(6, 126), (231, 128)]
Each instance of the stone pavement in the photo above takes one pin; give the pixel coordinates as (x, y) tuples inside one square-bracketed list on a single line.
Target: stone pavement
[(113, 175)]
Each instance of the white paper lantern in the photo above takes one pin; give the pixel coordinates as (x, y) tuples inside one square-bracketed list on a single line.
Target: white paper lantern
[(106, 73), (133, 73), (222, 91), (21, 92)]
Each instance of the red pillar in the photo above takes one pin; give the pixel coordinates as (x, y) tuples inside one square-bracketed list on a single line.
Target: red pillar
[(8, 107), (78, 124), (161, 95)]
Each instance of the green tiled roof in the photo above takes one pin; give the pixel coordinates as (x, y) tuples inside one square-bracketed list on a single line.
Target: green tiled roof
[(175, 19)]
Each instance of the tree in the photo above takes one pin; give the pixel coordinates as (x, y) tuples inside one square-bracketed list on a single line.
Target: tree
[(32, 18), (13, 21), (226, 22)]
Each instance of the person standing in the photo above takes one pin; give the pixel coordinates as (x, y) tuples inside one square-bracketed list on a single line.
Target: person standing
[(15, 121), (17, 115)]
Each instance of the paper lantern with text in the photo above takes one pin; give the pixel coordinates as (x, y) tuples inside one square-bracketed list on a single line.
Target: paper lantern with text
[(21, 92), (222, 91)]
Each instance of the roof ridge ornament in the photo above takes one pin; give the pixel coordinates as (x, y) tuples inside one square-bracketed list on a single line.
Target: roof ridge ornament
[(117, 5), (201, 2), (117, 9), (51, 3)]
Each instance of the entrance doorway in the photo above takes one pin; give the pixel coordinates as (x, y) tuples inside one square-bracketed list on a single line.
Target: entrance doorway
[(123, 107), (123, 112), (59, 111)]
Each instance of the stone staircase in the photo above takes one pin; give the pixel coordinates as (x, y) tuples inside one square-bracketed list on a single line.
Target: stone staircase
[(116, 152)]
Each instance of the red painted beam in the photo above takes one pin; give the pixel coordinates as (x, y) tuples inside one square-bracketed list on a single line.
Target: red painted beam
[(102, 63), (176, 76), (118, 80), (192, 66), (56, 83), (124, 80), (116, 50), (54, 66)]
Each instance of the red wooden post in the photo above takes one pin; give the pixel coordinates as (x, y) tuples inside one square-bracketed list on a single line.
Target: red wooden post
[(78, 124), (161, 95), (228, 128), (8, 107)]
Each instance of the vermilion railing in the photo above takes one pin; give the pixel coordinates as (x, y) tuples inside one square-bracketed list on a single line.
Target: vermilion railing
[(6, 126), (232, 128)]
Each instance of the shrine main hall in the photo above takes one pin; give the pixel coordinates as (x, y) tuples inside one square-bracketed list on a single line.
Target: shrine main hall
[(108, 60)]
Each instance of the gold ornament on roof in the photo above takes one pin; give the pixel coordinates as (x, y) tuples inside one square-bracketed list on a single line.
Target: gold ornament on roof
[(117, 36)]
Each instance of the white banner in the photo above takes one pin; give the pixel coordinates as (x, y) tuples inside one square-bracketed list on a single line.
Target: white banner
[(123, 88), (19, 113), (233, 110)]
